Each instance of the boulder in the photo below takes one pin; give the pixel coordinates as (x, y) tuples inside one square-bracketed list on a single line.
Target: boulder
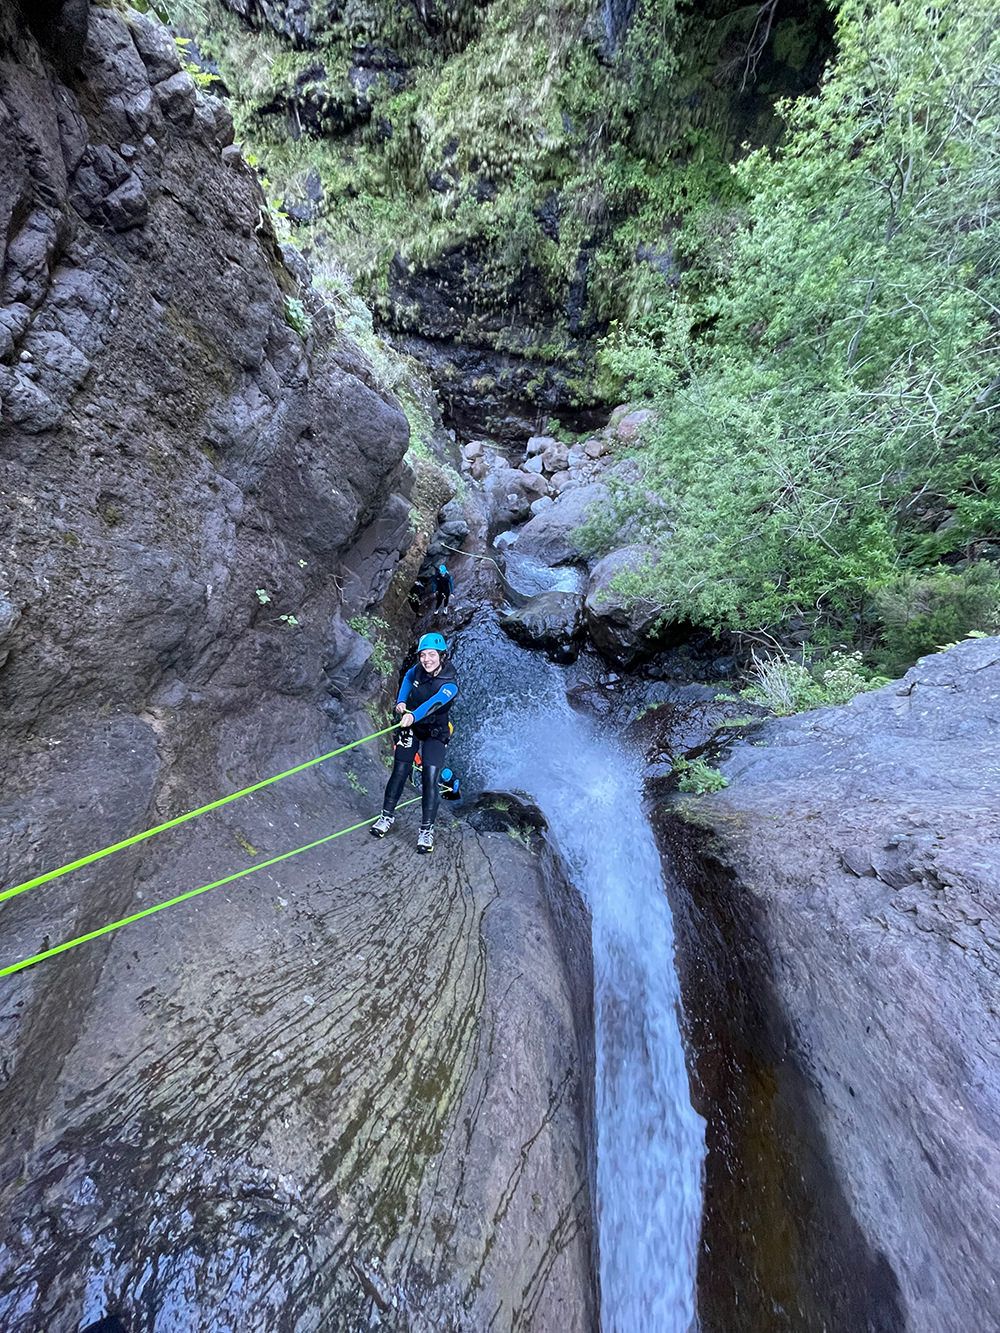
[(628, 428), (623, 629), (453, 526), (509, 496), (535, 464), (549, 536), (538, 444), (555, 458), (839, 941), (552, 621), (346, 658), (369, 566)]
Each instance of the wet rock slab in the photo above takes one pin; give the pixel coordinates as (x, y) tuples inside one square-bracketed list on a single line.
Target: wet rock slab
[(352, 1096), (552, 621), (841, 938)]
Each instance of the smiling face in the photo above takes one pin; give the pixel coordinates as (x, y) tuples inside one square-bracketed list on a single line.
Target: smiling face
[(430, 660)]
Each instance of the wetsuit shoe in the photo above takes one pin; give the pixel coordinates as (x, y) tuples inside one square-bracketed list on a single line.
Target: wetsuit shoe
[(382, 825), (425, 840)]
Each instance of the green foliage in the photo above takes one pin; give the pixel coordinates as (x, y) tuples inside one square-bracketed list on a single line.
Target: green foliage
[(521, 834), (298, 317), (355, 783), (826, 377), (507, 108), (375, 630), (262, 595), (785, 686), (698, 777), (203, 78), (923, 612)]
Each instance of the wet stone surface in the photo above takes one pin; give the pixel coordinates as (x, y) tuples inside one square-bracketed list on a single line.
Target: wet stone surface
[(351, 1099)]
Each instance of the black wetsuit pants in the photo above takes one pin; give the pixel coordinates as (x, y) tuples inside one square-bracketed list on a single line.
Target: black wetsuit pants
[(432, 754)]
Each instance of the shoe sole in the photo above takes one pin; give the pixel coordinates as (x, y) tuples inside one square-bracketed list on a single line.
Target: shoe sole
[(425, 851)]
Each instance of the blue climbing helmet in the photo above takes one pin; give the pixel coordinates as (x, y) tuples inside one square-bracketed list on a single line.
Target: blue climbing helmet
[(442, 569), (432, 642)]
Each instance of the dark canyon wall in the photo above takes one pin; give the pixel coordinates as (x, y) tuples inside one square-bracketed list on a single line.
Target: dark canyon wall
[(338, 1093), (839, 937)]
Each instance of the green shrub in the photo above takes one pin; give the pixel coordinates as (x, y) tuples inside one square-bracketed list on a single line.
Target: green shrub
[(698, 777), (297, 316), (826, 373), (786, 686), (374, 628), (921, 613)]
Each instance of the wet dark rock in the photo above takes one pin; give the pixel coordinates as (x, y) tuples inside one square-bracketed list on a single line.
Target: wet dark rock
[(842, 940), (552, 535), (510, 493), (453, 520), (454, 315), (623, 628), (177, 96), (9, 616), (61, 28), (156, 47), (346, 660), (371, 562), (385, 1113), (506, 812), (295, 19), (552, 621)]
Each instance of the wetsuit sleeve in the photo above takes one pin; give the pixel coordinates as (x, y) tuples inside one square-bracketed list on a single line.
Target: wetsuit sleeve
[(406, 686), (450, 582), (447, 692)]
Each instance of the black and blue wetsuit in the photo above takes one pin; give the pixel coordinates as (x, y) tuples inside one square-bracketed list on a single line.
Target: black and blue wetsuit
[(429, 699), (444, 586)]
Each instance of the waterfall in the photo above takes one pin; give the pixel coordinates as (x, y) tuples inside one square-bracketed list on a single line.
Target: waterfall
[(518, 732)]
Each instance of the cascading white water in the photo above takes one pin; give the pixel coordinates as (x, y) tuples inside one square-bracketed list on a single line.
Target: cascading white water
[(650, 1140)]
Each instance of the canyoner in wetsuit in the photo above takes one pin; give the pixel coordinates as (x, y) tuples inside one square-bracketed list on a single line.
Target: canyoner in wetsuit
[(424, 699)]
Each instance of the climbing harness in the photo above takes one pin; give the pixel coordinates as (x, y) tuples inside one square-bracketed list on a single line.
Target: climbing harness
[(50, 875), (448, 780), (181, 898)]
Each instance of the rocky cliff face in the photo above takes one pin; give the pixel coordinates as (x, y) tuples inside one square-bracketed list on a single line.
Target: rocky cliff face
[(184, 475), (201, 482), (506, 179), (841, 943)]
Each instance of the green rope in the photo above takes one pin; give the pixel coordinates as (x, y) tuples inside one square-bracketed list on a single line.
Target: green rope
[(182, 819), (191, 893)]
